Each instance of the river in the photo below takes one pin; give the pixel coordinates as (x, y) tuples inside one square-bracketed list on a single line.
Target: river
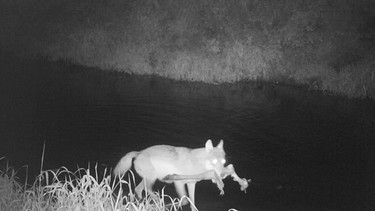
[(302, 149)]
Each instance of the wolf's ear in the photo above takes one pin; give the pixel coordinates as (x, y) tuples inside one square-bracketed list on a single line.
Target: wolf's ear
[(221, 144), (209, 145)]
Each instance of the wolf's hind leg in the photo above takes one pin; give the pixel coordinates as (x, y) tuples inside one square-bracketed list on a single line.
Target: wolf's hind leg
[(149, 184), (139, 189), (145, 184)]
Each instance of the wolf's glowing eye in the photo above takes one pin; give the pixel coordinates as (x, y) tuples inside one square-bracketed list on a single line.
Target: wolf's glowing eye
[(214, 161), (223, 161)]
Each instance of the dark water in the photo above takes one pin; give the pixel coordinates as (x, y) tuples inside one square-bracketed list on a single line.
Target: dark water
[(303, 150)]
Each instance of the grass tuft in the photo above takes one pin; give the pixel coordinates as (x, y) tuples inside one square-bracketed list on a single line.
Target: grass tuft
[(78, 191)]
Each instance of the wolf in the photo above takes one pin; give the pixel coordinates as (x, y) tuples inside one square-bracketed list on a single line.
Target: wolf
[(163, 162)]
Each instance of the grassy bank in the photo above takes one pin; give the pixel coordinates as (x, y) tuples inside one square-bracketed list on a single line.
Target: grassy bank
[(84, 189), (325, 45)]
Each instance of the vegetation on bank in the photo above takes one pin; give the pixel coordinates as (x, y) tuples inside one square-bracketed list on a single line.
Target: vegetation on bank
[(325, 45), (76, 191)]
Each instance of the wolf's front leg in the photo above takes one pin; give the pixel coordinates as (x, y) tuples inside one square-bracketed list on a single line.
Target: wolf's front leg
[(191, 190), (181, 191)]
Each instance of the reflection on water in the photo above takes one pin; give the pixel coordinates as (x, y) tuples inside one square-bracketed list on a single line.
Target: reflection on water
[(304, 151)]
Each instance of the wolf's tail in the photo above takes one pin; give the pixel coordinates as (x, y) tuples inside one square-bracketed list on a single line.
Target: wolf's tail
[(125, 163)]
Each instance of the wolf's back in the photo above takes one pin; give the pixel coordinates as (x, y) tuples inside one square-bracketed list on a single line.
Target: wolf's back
[(125, 163)]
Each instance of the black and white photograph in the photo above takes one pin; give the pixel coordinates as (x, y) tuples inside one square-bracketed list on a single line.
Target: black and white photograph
[(187, 105)]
